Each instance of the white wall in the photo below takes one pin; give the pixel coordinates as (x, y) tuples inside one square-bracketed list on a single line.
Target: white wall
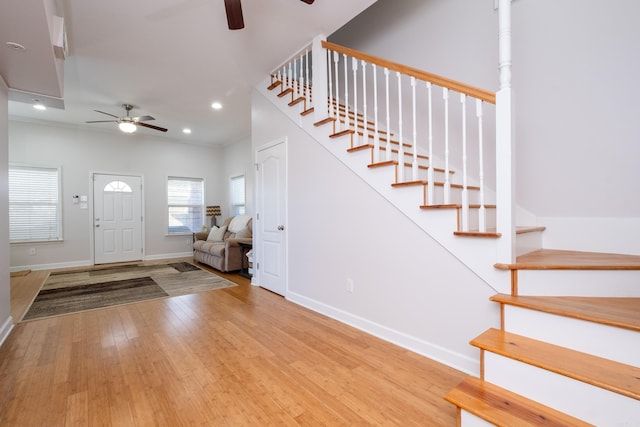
[(407, 288), (575, 68), (82, 152), (6, 322)]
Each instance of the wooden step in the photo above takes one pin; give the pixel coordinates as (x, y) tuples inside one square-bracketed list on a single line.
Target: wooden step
[(553, 259), (618, 312), (504, 408), (477, 233), (599, 372), (274, 85)]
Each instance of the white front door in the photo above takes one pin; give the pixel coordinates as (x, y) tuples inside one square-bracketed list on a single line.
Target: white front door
[(117, 218), (271, 217)]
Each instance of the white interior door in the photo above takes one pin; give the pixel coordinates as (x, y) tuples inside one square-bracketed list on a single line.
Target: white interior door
[(117, 212), (271, 217)]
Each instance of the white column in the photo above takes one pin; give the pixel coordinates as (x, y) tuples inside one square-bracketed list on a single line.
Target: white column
[(319, 72), (505, 146)]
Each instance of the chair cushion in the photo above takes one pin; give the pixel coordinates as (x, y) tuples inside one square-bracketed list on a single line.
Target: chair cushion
[(238, 223), (217, 234)]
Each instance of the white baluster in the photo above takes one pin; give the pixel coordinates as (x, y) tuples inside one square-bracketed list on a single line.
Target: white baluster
[(430, 172), (447, 183), (354, 68), (307, 87), (289, 76), (481, 213), (296, 85), (336, 61), (346, 93), (330, 77), (365, 130), (388, 146), (401, 146), (465, 192), (376, 134), (414, 165)]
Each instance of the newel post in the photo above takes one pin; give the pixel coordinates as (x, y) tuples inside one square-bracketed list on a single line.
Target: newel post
[(319, 85), (505, 142)]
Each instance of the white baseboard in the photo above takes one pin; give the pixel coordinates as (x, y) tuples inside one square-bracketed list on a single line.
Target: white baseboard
[(52, 266), (167, 256), (88, 262), (5, 329), (432, 351)]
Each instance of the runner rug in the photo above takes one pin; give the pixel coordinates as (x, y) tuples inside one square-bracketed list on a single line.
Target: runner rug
[(71, 292)]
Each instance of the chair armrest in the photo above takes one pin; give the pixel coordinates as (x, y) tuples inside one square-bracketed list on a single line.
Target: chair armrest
[(235, 240), (200, 235)]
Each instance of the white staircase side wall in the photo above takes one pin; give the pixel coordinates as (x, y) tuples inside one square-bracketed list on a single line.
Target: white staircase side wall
[(580, 400), (588, 283), (467, 419), (478, 254), (528, 242), (610, 342)]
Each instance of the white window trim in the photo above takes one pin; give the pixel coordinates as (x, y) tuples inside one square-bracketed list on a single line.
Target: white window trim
[(233, 205), (168, 206), (58, 169)]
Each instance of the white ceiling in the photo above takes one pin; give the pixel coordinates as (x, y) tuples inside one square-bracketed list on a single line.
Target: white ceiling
[(169, 58)]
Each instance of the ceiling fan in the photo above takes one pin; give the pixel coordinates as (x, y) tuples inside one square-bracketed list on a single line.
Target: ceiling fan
[(234, 13), (128, 124)]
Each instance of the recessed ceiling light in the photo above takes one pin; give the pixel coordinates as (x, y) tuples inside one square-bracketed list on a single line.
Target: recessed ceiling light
[(186, 130), (15, 46), (216, 106), (39, 107)]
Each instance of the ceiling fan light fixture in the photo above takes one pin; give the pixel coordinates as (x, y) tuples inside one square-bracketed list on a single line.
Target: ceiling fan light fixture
[(127, 127)]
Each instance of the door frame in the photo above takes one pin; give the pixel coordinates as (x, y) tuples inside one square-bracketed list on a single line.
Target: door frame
[(92, 174), (257, 276)]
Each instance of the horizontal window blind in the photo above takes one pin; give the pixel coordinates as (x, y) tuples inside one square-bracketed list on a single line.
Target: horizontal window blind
[(185, 198), (34, 204), (237, 195)]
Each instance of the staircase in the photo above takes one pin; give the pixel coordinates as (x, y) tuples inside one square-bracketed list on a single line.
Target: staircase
[(568, 349)]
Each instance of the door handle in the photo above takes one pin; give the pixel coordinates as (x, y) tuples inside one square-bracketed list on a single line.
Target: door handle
[(281, 227)]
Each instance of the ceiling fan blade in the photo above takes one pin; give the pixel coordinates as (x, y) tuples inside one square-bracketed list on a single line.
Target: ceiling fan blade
[(108, 114), (142, 118), (308, 1), (234, 14), (152, 127), (103, 121)]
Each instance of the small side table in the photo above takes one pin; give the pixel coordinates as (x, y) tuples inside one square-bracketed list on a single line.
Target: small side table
[(244, 249)]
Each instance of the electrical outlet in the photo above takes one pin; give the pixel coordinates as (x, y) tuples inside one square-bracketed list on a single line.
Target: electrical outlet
[(350, 285), (32, 251)]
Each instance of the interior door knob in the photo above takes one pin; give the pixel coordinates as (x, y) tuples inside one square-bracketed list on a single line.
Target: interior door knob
[(281, 227)]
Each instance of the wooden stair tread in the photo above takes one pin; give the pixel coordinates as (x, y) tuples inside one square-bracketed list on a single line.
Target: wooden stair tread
[(477, 233), (529, 229), (457, 206), (554, 259), (597, 371), (505, 408), (612, 311)]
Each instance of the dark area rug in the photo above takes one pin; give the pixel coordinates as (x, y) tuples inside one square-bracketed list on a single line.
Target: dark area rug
[(92, 288)]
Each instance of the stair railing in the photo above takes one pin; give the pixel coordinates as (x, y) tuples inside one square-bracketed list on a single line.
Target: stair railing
[(346, 87), (352, 81)]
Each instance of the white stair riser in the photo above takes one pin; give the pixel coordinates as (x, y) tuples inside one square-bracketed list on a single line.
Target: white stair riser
[(610, 342), (580, 400), (528, 242), (604, 283), (467, 419)]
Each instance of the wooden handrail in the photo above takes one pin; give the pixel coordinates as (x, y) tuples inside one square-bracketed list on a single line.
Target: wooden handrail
[(475, 92)]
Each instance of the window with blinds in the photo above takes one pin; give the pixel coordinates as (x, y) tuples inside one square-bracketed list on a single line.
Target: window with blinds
[(185, 198), (34, 204), (237, 195)]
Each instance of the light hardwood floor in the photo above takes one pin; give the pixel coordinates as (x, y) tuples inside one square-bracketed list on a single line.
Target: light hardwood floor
[(239, 356)]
